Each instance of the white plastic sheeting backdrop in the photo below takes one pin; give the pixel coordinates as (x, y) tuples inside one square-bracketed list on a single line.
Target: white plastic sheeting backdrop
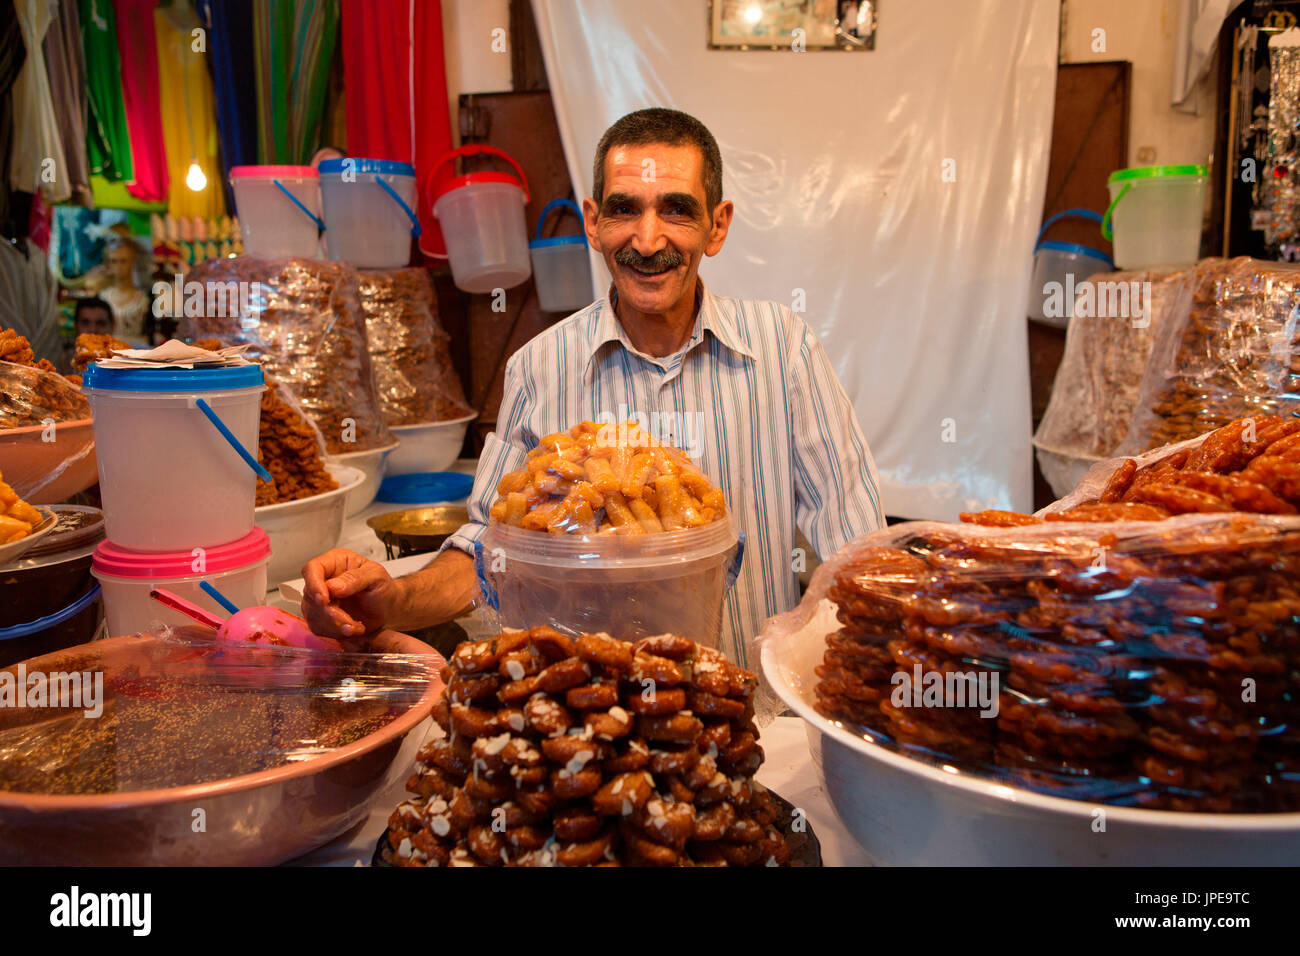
[(836, 161)]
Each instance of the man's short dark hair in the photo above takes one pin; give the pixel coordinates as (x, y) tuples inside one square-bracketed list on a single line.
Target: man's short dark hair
[(671, 127), (91, 302)]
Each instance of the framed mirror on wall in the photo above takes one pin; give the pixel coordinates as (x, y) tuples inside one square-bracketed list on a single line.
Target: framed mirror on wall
[(792, 24)]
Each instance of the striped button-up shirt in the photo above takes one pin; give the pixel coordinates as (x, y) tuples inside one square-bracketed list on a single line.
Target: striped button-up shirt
[(756, 404)]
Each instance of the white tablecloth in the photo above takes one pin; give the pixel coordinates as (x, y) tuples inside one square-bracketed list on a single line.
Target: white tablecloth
[(787, 770)]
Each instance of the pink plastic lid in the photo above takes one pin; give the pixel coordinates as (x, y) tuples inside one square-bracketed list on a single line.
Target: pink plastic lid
[(125, 563), (239, 172)]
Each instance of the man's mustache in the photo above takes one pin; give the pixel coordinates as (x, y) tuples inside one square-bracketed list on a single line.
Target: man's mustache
[(667, 258)]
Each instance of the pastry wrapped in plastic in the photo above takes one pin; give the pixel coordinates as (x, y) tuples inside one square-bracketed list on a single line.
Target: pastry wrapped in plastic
[(409, 351), (1149, 664), (290, 448), (1099, 379), (304, 321), (1233, 354)]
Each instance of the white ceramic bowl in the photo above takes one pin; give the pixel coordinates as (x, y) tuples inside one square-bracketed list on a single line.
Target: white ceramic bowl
[(371, 462), (300, 530), (905, 812), (428, 447)]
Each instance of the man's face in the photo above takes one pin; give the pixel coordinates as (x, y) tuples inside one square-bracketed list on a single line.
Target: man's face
[(94, 321), (653, 226)]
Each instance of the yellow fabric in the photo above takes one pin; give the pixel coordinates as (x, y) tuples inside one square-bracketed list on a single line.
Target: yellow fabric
[(187, 106)]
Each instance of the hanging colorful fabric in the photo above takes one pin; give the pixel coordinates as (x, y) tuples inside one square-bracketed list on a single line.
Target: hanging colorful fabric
[(294, 40), (189, 133), (38, 163), (66, 66), (229, 24), (138, 50), (108, 144)]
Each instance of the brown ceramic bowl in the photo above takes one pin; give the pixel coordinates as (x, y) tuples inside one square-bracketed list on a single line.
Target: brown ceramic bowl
[(45, 473), (260, 818)]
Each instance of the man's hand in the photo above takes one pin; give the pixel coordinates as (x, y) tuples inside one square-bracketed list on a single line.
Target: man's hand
[(347, 595)]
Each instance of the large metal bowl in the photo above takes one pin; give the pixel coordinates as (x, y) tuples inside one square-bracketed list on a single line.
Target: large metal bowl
[(259, 818), (906, 812)]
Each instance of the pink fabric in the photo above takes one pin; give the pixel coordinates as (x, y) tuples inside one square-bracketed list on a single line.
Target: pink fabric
[(138, 48), (381, 66)]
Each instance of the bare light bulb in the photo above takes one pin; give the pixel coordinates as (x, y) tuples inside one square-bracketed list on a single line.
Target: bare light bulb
[(195, 178), (753, 13)]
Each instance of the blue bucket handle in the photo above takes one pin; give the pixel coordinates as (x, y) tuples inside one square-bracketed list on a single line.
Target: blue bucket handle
[(229, 436), (1070, 213), (298, 202), (50, 620), (211, 591), (554, 203), (410, 213)]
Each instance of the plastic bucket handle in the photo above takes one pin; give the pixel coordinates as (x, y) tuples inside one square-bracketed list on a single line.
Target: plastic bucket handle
[(298, 202), (1106, 230), (1068, 213), (229, 436), (211, 591), (50, 620), (556, 204), (410, 213), (476, 149)]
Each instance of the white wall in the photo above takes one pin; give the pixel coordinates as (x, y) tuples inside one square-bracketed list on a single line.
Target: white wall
[(472, 65), (1144, 33)]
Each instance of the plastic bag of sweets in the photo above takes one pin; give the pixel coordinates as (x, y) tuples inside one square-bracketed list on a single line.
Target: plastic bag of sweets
[(1234, 354), (1106, 351), (409, 351), (304, 321), (1148, 664)]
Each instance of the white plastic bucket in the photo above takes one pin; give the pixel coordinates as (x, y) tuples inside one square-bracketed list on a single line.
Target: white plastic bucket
[(369, 211), (278, 209), (629, 586), (481, 216), (561, 265), (237, 570), (170, 474), (1059, 267), (1155, 215)]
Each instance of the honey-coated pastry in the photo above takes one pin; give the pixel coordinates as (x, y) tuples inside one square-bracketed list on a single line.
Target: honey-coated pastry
[(658, 774)]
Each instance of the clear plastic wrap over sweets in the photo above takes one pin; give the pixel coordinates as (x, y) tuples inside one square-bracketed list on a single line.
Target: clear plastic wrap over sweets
[(1147, 664), (409, 350), (304, 321), (1233, 354)]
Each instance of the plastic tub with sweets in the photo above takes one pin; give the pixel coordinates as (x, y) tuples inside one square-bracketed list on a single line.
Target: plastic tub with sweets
[(631, 586)]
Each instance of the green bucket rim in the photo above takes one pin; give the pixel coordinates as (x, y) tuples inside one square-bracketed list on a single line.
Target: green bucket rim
[(1152, 172)]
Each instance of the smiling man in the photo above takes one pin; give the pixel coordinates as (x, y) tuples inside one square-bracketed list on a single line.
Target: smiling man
[(774, 428)]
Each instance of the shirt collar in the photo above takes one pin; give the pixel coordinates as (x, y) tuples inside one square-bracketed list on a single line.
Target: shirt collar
[(712, 315)]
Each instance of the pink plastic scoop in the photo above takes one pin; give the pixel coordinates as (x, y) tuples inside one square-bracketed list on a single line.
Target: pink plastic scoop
[(261, 625)]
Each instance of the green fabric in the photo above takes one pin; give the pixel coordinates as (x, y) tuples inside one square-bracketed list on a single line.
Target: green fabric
[(295, 41), (113, 195), (108, 144)]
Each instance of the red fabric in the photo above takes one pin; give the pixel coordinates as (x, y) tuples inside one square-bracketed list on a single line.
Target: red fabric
[(376, 39), (138, 48)]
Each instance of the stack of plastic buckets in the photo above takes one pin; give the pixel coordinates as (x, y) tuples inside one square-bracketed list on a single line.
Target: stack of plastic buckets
[(178, 485)]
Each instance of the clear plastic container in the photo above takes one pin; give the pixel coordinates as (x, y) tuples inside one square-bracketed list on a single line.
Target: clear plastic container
[(627, 586), (1059, 269), (561, 265), (237, 570), (279, 210), (169, 478), (369, 211), (1156, 213), (481, 215)]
